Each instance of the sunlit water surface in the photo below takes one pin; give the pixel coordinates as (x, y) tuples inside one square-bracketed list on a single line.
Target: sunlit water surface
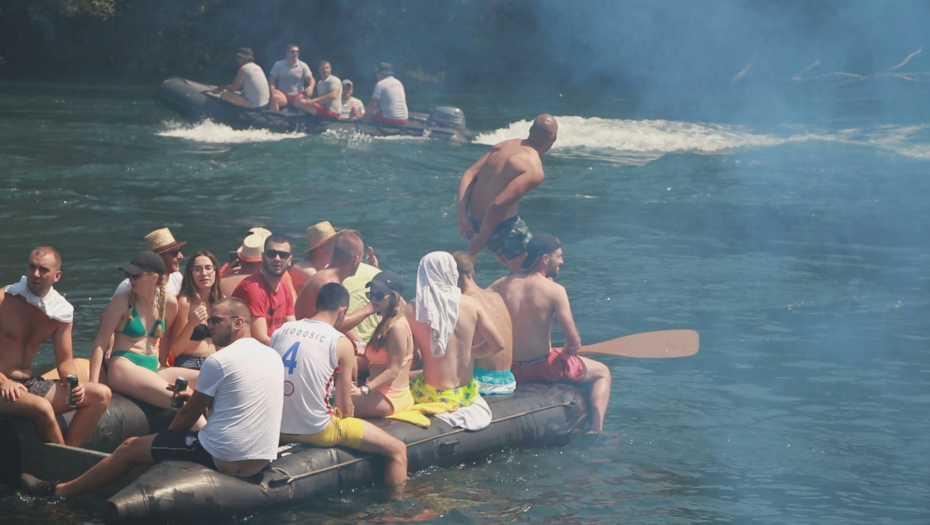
[(799, 251)]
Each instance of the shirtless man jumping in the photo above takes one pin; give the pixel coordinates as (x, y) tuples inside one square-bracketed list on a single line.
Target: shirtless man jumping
[(490, 192), (31, 311), (534, 300)]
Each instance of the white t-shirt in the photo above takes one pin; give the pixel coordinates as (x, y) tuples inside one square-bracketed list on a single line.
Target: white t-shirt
[(392, 99), (347, 106), (290, 79), (255, 86), (308, 350), (331, 83), (173, 287), (244, 380)]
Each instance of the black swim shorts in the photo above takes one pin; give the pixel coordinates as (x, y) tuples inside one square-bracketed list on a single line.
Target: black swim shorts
[(182, 445), (37, 386)]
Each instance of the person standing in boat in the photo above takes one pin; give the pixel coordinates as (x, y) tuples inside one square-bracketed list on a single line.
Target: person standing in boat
[(328, 101), (352, 108), (31, 311), (289, 80), (241, 381), (162, 242), (269, 298), (388, 104), (190, 342), (317, 356), (135, 322), (490, 191), (534, 300), (250, 79), (492, 373), (451, 330)]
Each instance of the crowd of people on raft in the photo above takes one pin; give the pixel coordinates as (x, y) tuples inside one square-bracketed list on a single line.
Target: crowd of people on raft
[(291, 84), (269, 340)]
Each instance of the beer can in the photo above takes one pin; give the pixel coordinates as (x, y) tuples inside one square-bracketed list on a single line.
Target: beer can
[(180, 385), (72, 381)]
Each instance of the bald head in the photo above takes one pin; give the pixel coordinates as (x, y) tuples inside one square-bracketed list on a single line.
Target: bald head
[(543, 132), (348, 246)]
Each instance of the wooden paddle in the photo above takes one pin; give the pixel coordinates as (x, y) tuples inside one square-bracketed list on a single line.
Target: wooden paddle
[(649, 345)]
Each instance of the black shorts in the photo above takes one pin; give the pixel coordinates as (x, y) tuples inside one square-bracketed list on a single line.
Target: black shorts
[(194, 362), (182, 445), (37, 385)]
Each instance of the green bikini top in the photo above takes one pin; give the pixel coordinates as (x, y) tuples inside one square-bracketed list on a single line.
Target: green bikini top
[(135, 328)]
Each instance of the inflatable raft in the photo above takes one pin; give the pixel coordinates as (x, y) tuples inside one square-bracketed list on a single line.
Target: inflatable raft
[(194, 102), (535, 416)]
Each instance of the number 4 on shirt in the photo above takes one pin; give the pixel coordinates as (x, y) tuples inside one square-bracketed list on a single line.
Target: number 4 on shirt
[(290, 358)]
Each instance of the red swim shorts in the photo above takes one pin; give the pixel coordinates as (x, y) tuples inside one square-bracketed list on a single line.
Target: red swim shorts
[(292, 98), (324, 112), (379, 117), (557, 366)]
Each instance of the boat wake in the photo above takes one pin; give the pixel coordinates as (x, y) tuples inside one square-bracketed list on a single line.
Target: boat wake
[(638, 142), (210, 132)]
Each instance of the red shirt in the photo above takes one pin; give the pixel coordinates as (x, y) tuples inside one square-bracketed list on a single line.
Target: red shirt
[(272, 305)]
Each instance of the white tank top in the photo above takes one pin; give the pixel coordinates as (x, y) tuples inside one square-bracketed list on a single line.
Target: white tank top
[(308, 350)]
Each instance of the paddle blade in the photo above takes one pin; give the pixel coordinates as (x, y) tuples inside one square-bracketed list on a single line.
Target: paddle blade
[(663, 344)]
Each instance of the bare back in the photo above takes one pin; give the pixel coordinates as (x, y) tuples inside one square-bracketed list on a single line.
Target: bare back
[(305, 306), (532, 301), (494, 305), (503, 164), (23, 328), (454, 369)]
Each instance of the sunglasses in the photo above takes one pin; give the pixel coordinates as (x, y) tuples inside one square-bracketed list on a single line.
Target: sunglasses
[(271, 254), (216, 319), (173, 253), (375, 295)]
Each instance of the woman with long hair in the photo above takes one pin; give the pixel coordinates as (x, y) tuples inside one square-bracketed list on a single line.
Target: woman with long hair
[(136, 321), (190, 342), (388, 353)]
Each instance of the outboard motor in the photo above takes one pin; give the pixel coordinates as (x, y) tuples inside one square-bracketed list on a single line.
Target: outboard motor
[(447, 117)]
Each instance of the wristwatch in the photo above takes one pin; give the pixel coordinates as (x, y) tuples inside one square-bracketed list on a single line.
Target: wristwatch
[(365, 390)]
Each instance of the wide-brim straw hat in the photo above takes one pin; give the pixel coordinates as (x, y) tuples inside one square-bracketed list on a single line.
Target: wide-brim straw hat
[(320, 233), (161, 240), (252, 248)]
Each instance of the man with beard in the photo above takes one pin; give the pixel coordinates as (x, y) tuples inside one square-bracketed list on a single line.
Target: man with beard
[(534, 300), (241, 381), (31, 311), (162, 242), (270, 301)]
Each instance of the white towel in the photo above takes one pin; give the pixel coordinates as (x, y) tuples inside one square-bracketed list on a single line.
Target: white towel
[(438, 298), (54, 305), (475, 416)]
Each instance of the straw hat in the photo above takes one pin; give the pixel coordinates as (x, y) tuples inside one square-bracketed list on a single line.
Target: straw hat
[(261, 231), (319, 233), (252, 248), (161, 240)]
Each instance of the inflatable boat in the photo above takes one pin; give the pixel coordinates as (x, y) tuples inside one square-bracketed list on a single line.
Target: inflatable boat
[(536, 415), (194, 101)]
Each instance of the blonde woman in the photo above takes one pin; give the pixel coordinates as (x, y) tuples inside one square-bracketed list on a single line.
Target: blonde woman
[(136, 320), (388, 354), (190, 342)]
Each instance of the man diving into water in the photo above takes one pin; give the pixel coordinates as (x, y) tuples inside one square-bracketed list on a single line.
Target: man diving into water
[(490, 192)]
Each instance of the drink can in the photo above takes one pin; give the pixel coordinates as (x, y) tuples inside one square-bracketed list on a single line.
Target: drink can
[(72, 381), (180, 385)]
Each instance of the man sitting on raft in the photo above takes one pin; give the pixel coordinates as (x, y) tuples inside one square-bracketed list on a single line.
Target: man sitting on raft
[(251, 79), (242, 381), (317, 356), (328, 101), (445, 325), (388, 104), (534, 301), (290, 79), (30, 311), (492, 373)]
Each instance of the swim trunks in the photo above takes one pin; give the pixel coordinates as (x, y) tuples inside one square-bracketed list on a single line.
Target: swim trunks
[(424, 393), (36, 385), (145, 361), (491, 382), (192, 361), (291, 98), (557, 366), (399, 398), (181, 445), (509, 238), (377, 116), (325, 112), (341, 431)]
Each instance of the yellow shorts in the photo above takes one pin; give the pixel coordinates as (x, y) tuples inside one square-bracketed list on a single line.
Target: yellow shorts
[(341, 432), (424, 393)]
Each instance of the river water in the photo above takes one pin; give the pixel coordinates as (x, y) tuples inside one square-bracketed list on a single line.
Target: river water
[(798, 248)]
